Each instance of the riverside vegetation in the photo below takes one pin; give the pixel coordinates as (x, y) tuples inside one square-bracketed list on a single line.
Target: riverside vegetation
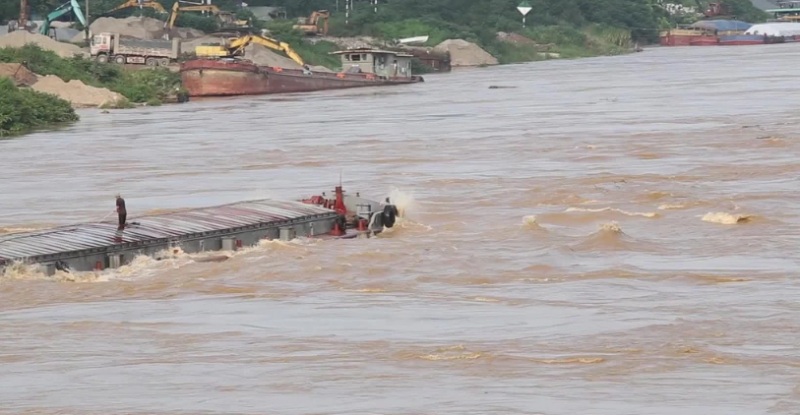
[(150, 86), (568, 28), (22, 110)]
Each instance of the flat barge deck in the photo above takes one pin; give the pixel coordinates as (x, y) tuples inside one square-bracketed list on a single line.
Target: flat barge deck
[(97, 246)]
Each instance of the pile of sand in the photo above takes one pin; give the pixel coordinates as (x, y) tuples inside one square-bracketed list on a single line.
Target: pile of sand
[(76, 92), (261, 55), (145, 28), (463, 53), (187, 33), (138, 27), (20, 38), (189, 45), (18, 73)]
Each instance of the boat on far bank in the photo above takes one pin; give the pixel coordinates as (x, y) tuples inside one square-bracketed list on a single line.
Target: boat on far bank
[(229, 76), (731, 33)]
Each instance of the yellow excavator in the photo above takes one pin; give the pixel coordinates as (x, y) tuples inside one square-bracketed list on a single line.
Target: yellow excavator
[(140, 4), (310, 25), (227, 19), (235, 47)]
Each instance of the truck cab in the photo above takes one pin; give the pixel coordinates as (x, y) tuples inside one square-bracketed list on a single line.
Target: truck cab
[(101, 45)]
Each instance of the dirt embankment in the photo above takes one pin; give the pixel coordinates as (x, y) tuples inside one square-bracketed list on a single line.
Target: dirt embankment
[(18, 73), (20, 38), (519, 40), (463, 53), (138, 27), (77, 93)]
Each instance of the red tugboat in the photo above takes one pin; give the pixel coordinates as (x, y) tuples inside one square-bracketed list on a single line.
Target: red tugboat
[(355, 212), (220, 71)]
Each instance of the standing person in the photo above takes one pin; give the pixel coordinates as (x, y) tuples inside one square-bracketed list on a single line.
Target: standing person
[(122, 213)]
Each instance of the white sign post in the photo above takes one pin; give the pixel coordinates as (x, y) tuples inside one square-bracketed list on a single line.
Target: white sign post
[(524, 8)]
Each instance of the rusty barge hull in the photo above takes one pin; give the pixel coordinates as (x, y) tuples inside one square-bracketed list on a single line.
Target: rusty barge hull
[(216, 78)]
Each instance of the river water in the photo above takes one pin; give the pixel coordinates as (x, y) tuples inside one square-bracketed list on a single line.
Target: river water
[(606, 236)]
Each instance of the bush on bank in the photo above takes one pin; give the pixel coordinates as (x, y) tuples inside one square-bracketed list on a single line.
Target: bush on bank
[(22, 110), (137, 85), (569, 28)]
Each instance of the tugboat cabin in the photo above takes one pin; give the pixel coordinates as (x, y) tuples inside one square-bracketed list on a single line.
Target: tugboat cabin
[(382, 63)]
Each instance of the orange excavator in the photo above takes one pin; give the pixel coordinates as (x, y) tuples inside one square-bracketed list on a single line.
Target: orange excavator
[(140, 4), (310, 25)]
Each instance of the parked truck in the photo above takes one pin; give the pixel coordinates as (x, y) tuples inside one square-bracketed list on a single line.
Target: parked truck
[(110, 47)]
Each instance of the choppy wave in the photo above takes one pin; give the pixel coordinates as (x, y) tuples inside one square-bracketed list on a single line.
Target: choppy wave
[(615, 210), (530, 222), (610, 237), (580, 215), (725, 218), (143, 266)]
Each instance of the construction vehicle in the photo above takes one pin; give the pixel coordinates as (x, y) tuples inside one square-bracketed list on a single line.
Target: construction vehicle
[(70, 7), (235, 47), (227, 20), (140, 4), (715, 10), (310, 24), (110, 47)]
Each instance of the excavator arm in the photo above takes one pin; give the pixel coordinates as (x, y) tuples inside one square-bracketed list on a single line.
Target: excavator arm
[(235, 47), (271, 43), (71, 6), (224, 17), (135, 3)]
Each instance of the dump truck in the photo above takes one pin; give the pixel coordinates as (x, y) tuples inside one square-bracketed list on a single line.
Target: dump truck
[(111, 47)]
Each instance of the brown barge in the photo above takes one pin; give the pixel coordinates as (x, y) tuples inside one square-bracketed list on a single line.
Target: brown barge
[(227, 76)]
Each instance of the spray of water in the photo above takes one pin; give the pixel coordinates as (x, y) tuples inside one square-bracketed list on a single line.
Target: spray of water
[(405, 202)]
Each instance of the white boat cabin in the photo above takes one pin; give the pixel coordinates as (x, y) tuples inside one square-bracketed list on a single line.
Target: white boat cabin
[(382, 63)]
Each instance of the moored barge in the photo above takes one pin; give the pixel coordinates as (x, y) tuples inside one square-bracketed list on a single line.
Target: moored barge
[(229, 76)]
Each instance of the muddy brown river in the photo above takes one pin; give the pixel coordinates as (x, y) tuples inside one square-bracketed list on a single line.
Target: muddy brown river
[(606, 236)]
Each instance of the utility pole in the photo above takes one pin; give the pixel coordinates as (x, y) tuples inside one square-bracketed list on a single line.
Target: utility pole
[(86, 27), (23, 14)]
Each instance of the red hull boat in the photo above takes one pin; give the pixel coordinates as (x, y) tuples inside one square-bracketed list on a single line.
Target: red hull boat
[(227, 77)]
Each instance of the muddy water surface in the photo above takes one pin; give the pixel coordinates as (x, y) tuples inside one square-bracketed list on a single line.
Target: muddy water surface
[(609, 236)]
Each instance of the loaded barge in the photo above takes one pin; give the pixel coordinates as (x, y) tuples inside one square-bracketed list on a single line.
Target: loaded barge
[(98, 246), (229, 76)]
